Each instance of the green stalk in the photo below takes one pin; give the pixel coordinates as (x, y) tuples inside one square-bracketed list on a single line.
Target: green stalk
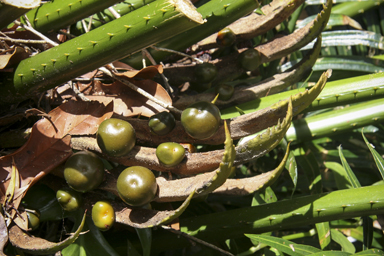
[(336, 93), (355, 7), (148, 25), (281, 215), (218, 14), (337, 121), (288, 214), (106, 16), (60, 14)]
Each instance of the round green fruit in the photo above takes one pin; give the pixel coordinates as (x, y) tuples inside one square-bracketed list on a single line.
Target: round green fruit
[(33, 220), (162, 123), (201, 120), (205, 72), (84, 171), (136, 185), (103, 215), (225, 91), (116, 137), (69, 199), (226, 37), (249, 59), (170, 153)]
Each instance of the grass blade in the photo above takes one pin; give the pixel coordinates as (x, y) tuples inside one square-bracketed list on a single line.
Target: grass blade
[(324, 234), (285, 246), (352, 177), (376, 156), (348, 38), (346, 245)]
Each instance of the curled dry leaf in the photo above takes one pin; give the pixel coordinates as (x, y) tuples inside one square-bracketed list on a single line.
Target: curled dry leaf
[(12, 56), (39, 246), (145, 73), (49, 143), (127, 102), (296, 40), (144, 218), (256, 24)]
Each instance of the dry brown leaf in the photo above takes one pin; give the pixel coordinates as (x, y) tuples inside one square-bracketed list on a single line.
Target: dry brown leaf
[(49, 143), (145, 73), (130, 103), (127, 102), (75, 118), (14, 56)]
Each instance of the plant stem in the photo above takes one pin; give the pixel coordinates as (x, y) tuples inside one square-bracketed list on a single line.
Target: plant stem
[(302, 211), (132, 32)]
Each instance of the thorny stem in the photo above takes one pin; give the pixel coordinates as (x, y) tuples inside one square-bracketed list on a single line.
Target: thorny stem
[(194, 239), (139, 90), (152, 60), (31, 29), (176, 52)]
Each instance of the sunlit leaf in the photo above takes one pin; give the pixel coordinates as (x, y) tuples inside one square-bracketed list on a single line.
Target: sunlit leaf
[(307, 160), (349, 38), (371, 252), (225, 168), (347, 63), (376, 156), (331, 253), (341, 177), (285, 246), (342, 240), (352, 177), (291, 166), (334, 20), (324, 233), (13, 184), (269, 195), (336, 121)]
